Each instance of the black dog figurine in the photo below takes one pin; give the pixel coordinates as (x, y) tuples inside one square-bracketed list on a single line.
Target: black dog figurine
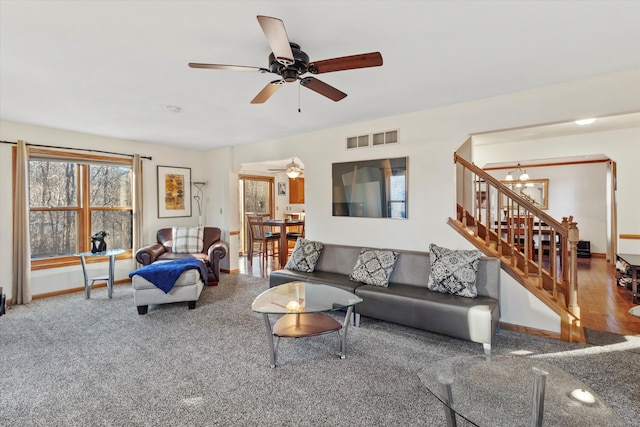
[(99, 245)]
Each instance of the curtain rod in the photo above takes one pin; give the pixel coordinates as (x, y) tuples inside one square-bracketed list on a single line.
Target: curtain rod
[(77, 149)]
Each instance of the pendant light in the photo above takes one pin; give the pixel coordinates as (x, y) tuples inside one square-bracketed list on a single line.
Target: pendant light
[(519, 172)]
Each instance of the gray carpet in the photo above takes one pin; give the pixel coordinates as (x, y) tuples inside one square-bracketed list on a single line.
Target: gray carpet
[(67, 361)]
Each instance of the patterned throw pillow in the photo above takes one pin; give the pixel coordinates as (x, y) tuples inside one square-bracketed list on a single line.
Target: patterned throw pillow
[(187, 240), (374, 267), (453, 271), (305, 255)]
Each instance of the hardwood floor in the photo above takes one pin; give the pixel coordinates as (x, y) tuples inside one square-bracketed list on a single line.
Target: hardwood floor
[(604, 305), (257, 268)]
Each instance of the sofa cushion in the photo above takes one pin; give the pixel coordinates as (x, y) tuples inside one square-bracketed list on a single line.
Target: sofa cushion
[(412, 268), (187, 278), (338, 258), (337, 280), (374, 267), (453, 271), (305, 255), (334, 279), (165, 275), (468, 318), (187, 240)]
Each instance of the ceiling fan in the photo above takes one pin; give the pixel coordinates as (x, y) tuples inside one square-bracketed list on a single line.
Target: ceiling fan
[(291, 64), (293, 170)]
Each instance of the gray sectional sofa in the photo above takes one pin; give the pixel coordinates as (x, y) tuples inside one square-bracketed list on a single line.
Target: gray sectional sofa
[(406, 300)]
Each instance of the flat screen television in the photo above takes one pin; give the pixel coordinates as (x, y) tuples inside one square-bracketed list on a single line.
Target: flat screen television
[(370, 188)]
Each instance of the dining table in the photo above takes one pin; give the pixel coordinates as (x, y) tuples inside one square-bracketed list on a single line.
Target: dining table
[(281, 226)]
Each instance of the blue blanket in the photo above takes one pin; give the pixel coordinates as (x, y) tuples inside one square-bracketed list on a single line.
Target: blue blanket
[(165, 274)]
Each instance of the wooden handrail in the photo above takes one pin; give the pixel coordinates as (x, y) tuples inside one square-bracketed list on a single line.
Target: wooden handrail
[(548, 219), (495, 213), (630, 236)]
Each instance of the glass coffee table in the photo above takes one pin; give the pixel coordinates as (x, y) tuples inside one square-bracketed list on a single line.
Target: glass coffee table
[(304, 307), (513, 391)]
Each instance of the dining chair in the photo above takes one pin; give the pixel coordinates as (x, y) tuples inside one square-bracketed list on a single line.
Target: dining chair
[(258, 233), (522, 227), (296, 232)]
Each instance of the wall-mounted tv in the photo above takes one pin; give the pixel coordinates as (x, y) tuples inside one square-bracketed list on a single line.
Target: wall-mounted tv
[(370, 188)]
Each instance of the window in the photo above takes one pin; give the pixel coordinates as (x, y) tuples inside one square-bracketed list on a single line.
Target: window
[(71, 198), (256, 194)]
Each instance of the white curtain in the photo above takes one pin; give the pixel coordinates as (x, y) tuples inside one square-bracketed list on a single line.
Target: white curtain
[(21, 285), (137, 203)]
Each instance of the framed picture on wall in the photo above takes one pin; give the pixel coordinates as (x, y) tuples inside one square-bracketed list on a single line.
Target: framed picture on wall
[(374, 188), (282, 189), (174, 192)]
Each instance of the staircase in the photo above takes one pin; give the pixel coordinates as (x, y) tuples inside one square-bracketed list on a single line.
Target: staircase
[(535, 249)]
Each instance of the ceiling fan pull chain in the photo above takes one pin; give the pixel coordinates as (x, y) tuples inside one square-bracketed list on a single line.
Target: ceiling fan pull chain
[(299, 99)]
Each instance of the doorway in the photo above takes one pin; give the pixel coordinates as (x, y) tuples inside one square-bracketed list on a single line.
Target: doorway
[(256, 195)]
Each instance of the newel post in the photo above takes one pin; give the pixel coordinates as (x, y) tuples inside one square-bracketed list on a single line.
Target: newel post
[(574, 236)]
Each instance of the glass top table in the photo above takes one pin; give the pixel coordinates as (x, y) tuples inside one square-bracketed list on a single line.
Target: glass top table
[(111, 253), (303, 307), (513, 391)]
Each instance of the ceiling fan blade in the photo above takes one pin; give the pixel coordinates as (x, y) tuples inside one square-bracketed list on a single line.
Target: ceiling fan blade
[(268, 90), (276, 35), (227, 67), (364, 60), (322, 88)]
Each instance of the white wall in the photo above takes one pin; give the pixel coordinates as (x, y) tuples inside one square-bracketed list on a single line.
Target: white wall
[(282, 204), (51, 280), (429, 138), (580, 190), (577, 190)]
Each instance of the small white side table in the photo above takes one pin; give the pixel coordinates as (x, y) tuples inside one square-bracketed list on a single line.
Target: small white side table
[(111, 253)]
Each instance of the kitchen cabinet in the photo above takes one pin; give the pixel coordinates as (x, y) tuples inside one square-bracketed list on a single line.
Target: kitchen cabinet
[(296, 191)]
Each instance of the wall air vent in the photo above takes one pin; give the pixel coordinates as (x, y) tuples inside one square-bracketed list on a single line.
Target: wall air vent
[(380, 138), (389, 137), (357, 142)]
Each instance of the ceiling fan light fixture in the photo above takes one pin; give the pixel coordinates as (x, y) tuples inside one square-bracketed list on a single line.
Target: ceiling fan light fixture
[(289, 75), (293, 169), (293, 173)]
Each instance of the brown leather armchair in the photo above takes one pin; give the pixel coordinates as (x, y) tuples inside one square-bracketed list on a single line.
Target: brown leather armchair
[(213, 251)]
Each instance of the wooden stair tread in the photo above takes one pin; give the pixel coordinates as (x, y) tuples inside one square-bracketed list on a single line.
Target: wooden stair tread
[(570, 322)]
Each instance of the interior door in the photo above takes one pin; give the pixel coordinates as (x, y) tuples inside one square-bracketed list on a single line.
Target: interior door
[(256, 198)]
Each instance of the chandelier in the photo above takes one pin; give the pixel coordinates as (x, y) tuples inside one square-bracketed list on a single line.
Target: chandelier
[(519, 172)]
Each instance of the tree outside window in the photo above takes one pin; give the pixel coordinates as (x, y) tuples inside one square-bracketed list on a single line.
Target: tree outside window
[(71, 200)]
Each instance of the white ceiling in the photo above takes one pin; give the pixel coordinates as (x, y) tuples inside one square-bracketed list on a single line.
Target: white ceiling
[(112, 67), (552, 130)]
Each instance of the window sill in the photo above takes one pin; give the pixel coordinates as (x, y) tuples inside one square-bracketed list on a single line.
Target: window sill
[(66, 261)]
